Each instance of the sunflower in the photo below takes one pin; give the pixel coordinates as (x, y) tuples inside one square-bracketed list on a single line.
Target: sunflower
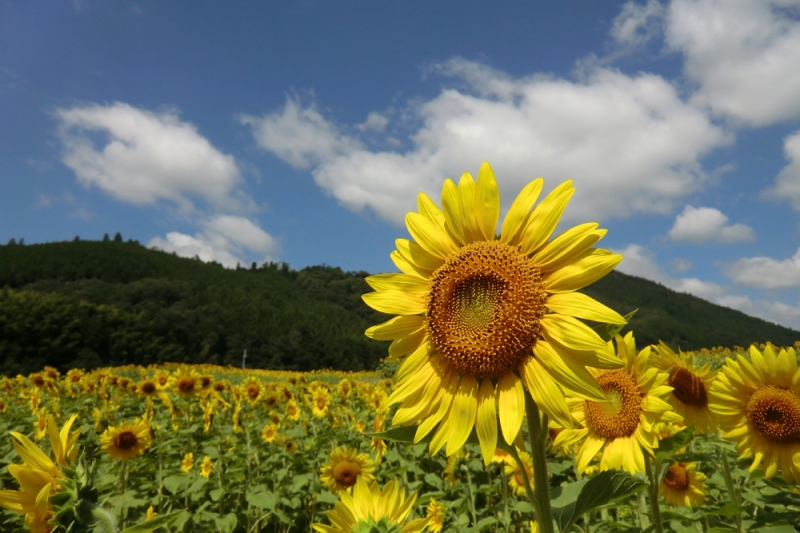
[(757, 403), (269, 433), (436, 513), (320, 403), (187, 463), (251, 389), (344, 467), (371, 509), (683, 485), (205, 468), (271, 400), (126, 441), (185, 382), (622, 424), (483, 317), (147, 388), (290, 446), (514, 473), (689, 397)]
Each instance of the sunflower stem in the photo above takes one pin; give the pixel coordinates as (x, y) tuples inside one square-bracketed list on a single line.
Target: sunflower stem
[(537, 433), (504, 492), (644, 521), (471, 493), (652, 489), (734, 494)]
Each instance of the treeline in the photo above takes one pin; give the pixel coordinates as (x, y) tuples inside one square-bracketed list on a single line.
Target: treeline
[(101, 303)]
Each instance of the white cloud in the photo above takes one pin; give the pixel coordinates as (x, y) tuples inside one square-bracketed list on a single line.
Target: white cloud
[(375, 122), (225, 239), (637, 24), (698, 225), (679, 264), (787, 183), (766, 272), (147, 157), (743, 54), (641, 262), (631, 144)]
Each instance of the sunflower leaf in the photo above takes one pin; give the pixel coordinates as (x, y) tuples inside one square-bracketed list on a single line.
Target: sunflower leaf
[(609, 331), (399, 434), (154, 523), (571, 501), (670, 445)]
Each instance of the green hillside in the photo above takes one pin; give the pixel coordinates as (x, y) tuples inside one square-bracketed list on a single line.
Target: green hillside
[(90, 303)]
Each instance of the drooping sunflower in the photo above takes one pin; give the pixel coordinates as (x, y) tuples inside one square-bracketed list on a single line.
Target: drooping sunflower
[(344, 467), (187, 463), (126, 441), (690, 385), (371, 509), (757, 403), (682, 485), (515, 479), (481, 317), (437, 514), (206, 467), (622, 424)]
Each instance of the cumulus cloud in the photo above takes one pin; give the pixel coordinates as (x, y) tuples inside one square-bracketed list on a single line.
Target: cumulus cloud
[(631, 144), (637, 24), (225, 239), (146, 157), (640, 261), (787, 183), (744, 56), (375, 122), (698, 225), (766, 272), (679, 264)]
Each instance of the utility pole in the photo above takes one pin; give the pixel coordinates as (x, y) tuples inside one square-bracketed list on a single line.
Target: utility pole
[(244, 356)]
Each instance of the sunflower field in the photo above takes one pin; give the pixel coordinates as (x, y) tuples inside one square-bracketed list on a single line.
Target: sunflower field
[(509, 402)]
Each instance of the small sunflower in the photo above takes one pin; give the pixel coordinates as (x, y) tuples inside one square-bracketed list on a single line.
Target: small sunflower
[(757, 403), (371, 509), (622, 423), (482, 318), (127, 440), (269, 433), (187, 463), (205, 468), (690, 385), (162, 379), (320, 403), (682, 485), (271, 400), (436, 513), (514, 473), (252, 389), (290, 446), (185, 382), (344, 467), (292, 410), (147, 388)]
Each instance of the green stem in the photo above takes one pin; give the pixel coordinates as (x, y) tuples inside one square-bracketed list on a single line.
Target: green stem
[(537, 433), (471, 494), (655, 510), (644, 521), (504, 492), (734, 494)]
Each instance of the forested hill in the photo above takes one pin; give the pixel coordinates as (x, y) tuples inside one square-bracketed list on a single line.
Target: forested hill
[(91, 303)]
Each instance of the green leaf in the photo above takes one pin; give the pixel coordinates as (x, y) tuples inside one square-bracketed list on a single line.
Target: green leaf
[(262, 500), (670, 445), (433, 480), (398, 434), (574, 499), (155, 523), (609, 331), (176, 484), (327, 497), (227, 523), (300, 481)]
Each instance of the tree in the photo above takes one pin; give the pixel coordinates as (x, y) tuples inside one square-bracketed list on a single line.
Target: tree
[(117, 237), (105, 237)]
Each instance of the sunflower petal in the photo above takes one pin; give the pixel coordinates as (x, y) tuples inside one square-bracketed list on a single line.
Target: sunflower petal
[(588, 450), (582, 306), (569, 373), (462, 413), (545, 392), (570, 332), (395, 303), (396, 327), (519, 211), (407, 267), (544, 218), (511, 403), (486, 422), (581, 273), (487, 202), (451, 205), (429, 236), (398, 282), (466, 188), (430, 210)]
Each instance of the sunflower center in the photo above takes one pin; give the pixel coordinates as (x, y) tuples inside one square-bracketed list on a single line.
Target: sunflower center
[(186, 384), (688, 388), (346, 472), (618, 416), (148, 387), (253, 391), (776, 414), (486, 303), (125, 440), (676, 477)]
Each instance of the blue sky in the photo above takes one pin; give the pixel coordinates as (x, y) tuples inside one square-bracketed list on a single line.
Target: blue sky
[(302, 131)]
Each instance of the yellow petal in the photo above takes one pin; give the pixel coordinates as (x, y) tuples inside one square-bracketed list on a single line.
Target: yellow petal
[(462, 413), (399, 282), (449, 386), (544, 218), (451, 205), (582, 306), (395, 328), (429, 210), (412, 383), (511, 405), (466, 189), (55, 440), (570, 332), (31, 454), (415, 254), (569, 373), (567, 247), (581, 273), (518, 213), (408, 344), (545, 392), (486, 422), (587, 452), (413, 362), (487, 202), (407, 267), (395, 303), (430, 237)]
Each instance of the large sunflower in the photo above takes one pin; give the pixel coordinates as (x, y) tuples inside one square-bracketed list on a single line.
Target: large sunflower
[(757, 403), (690, 385), (682, 485), (127, 440), (623, 423), (371, 509), (483, 317)]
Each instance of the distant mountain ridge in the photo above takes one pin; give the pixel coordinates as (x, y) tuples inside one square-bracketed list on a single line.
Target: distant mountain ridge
[(92, 303)]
